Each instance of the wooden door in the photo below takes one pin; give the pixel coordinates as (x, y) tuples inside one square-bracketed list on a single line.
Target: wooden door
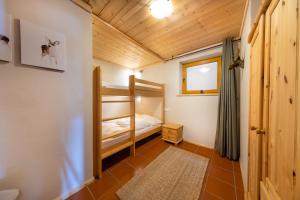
[(281, 35), (256, 110), (297, 154)]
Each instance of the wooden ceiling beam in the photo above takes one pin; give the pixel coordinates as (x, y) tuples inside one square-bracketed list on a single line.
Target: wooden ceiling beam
[(261, 11), (244, 17), (83, 5)]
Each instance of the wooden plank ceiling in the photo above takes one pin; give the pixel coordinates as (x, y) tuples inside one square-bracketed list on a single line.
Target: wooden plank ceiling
[(127, 34)]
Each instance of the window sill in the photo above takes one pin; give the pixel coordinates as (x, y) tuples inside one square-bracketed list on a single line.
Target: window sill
[(183, 95)]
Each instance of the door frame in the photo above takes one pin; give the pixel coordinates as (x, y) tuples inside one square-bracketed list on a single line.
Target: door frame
[(259, 30)]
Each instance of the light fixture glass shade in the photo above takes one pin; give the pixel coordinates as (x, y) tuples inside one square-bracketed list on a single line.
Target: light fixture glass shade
[(161, 8), (139, 99)]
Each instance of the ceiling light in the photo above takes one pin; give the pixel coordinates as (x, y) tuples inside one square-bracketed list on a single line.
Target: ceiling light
[(161, 8), (139, 99)]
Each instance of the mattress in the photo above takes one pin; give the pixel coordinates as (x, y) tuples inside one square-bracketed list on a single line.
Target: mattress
[(112, 141), (143, 123)]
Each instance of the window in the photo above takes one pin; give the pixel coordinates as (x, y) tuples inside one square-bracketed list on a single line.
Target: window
[(202, 77)]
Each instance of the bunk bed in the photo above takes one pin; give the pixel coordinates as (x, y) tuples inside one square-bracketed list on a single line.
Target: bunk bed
[(107, 144)]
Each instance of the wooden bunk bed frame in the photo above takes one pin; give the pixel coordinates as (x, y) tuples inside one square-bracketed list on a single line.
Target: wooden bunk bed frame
[(137, 87)]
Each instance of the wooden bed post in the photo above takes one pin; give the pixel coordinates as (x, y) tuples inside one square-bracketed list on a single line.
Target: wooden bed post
[(97, 123), (163, 104), (132, 113)]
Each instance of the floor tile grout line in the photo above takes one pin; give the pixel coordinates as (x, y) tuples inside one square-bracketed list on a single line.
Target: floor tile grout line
[(204, 190), (214, 195), (234, 182), (105, 191), (226, 170), (91, 193), (220, 167), (225, 182), (114, 177), (231, 185), (135, 169)]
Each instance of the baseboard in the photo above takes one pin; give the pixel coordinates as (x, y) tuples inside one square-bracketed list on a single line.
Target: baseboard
[(200, 145), (87, 182)]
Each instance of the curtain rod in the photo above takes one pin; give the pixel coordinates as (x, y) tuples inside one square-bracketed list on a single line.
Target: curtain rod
[(220, 44)]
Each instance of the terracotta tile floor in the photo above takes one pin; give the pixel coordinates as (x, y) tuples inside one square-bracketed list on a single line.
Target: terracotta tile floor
[(222, 181)]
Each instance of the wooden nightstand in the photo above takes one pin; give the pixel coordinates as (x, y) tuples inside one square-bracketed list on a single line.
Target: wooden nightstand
[(172, 133)]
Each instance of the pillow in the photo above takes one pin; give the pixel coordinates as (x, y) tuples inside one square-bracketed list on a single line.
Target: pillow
[(151, 120), (109, 128), (140, 123)]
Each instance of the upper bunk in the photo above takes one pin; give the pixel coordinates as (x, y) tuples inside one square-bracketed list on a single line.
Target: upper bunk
[(148, 88), (137, 87), (107, 93)]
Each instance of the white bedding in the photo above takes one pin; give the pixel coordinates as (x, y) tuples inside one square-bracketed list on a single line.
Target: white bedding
[(143, 123), (111, 141)]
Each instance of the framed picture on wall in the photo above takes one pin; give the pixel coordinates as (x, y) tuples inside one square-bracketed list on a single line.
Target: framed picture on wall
[(5, 37), (42, 47)]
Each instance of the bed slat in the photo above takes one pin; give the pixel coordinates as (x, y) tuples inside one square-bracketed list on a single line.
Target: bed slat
[(137, 80), (116, 148), (124, 101), (114, 92), (117, 134), (147, 134), (145, 88), (148, 93)]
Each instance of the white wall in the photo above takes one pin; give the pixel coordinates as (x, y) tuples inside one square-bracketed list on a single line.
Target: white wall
[(244, 91), (46, 116), (198, 114), (115, 75)]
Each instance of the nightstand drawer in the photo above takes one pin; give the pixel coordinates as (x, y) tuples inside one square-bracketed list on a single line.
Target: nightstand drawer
[(167, 131), (173, 138)]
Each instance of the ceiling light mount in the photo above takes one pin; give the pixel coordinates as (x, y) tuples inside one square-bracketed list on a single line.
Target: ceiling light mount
[(161, 8)]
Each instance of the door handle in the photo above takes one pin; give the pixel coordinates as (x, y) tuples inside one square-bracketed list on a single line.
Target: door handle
[(261, 131), (253, 128)]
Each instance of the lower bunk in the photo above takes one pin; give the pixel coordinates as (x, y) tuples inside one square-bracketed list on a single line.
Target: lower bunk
[(116, 134)]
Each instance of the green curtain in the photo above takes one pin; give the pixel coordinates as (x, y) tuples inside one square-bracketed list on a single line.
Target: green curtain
[(228, 126)]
